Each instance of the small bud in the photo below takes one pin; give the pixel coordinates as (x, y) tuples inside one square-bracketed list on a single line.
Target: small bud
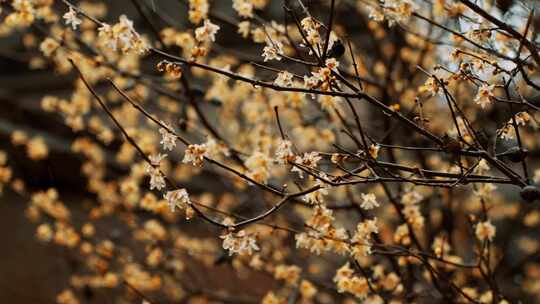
[(171, 68), (161, 66), (530, 193), (395, 107)]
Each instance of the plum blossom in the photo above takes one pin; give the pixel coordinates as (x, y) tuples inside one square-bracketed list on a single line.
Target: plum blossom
[(195, 154), (485, 95), (240, 243), (71, 18), (485, 231), (369, 201), (177, 199), (168, 139), (207, 32)]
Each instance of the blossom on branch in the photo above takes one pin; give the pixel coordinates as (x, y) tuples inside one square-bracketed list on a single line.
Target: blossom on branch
[(308, 160), (207, 32), (195, 154), (168, 139), (485, 95), (272, 50), (239, 243), (71, 18), (369, 201), (177, 199), (157, 180), (485, 231)]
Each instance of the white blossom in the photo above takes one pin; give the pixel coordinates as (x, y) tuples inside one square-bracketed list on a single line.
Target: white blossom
[(215, 149), (168, 139), (157, 180), (317, 196), (284, 152), (122, 36), (240, 243), (484, 95), (195, 154), (284, 79), (485, 231), (258, 165), (309, 160), (369, 201), (71, 18), (332, 64), (177, 199), (362, 237), (272, 50), (207, 32)]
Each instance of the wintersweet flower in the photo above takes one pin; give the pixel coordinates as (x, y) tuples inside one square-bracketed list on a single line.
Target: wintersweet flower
[(284, 152), (484, 95), (195, 154), (272, 50), (309, 160), (369, 201), (244, 8), (168, 139), (157, 180), (207, 32), (485, 231), (177, 199), (284, 79), (71, 18), (239, 243)]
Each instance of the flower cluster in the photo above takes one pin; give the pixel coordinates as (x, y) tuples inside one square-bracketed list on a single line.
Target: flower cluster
[(122, 36), (485, 95), (240, 243), (157, 180), (168, 139), (172, 69), (411, 210), (369, 201), (207, 32), (346, 281), (284, 153), (485, 231), (195, 154), (362, 238), (177, 199), (306, 161), (323, 236), (284, 79), (272, 50)]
